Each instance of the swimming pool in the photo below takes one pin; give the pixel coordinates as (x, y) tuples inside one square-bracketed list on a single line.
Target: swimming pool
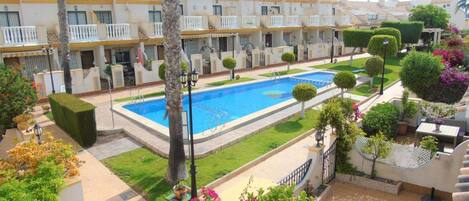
[(214, 108)]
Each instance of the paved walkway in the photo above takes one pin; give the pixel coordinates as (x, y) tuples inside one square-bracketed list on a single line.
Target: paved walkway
[(156, 144), (113, 148), (348, 192), (283, 163)]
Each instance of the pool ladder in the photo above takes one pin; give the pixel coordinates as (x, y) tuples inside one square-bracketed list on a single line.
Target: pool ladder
[(276, 75), (138, 98)]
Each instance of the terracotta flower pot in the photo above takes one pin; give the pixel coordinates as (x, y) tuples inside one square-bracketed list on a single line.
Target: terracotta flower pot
[(403, 126)]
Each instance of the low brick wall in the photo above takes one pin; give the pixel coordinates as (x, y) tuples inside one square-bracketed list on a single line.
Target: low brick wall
[(369, 183)]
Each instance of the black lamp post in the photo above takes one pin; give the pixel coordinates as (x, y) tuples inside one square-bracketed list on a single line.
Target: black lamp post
[(233, 35), (38, 133), (189, 80), (332, 45), (48, 50), (385, 44)]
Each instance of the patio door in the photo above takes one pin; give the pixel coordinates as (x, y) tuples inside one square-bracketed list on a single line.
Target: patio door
[(9, 19), (77, 17), (268, 40), (123, 58), (104, 17), (217, 10)]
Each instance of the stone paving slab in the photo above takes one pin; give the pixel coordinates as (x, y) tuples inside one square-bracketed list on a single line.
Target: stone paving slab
[(114, 148)]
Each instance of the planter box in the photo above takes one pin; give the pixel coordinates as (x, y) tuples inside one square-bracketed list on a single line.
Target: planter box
[(325, 194), (365, 182)]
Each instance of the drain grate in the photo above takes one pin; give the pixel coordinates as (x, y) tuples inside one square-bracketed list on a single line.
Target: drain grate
[(127, 195)]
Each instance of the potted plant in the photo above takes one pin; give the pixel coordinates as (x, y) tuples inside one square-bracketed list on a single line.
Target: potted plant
[(180, 192), (438, 112), (408, 110)]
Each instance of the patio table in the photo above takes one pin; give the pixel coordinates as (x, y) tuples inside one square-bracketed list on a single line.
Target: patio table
[(446, 131)]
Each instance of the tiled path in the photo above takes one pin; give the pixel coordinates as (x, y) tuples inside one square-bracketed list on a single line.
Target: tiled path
[(113, 148), (150, 140), (349, 192)]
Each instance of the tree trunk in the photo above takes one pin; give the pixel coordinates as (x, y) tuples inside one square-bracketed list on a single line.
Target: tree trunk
[(302, 109), (371, 82), (172, 45), (64, 45), (351, 57), (373, 168), (342, 92)]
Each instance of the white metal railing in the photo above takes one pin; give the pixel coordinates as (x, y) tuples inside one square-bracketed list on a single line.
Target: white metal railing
[(327, 20), (249, 21), (313, 20), (118, 31), (293, 20), (276, 21), (191, 22), (229, 22), (19, 35), (158, 29), (84, 32)]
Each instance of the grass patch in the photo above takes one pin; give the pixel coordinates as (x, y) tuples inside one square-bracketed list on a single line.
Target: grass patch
[(150, 95), (284, 72), (145, 171), (228, 82), (49, 115), (391, 74)]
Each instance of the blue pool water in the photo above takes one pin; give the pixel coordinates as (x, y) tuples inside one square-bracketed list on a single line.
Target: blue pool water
[(217, 107)]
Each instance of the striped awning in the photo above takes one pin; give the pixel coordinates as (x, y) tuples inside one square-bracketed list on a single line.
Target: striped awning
[(23, 54)]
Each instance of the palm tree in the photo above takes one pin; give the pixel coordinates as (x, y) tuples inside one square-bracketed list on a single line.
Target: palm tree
[(64, 46), (172, 45), (463, 5)]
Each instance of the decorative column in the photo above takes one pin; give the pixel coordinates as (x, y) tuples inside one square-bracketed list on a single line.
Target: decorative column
[(100, 60)]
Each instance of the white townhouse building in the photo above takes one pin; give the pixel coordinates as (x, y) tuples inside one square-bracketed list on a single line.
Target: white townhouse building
[(106, 32)]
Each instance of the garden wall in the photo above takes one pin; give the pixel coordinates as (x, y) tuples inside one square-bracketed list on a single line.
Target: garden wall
[(441, 172)]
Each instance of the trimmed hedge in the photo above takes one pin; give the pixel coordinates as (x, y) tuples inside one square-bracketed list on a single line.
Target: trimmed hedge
[(392, 32), (288, 57), (74, 116), (357, 37), (382, 117), (162, 69), (376, 46), (410, 31), (229, 63)]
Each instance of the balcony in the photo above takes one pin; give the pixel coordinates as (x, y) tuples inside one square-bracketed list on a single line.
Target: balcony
[(229, 22), (281, 21), (83, 33), (343, 20), (250, 22), (117, 31), (327, 20), (158, 29), (312, 21), (22, 35), (193, 23), (292, 21)]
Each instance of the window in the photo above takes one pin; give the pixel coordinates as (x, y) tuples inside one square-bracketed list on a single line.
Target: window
[(217, 10), (333, 11), (9, 19), (155, 16), (181, 9), (77, 17), (264, 10), (104, 17), (275, 10), (372, 16), (321, 35)]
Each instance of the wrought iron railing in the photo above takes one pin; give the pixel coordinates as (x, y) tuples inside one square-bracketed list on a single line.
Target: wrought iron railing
[(329, 163), (297, 175)]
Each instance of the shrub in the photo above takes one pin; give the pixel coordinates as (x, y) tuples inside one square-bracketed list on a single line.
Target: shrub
[(450, 58), (304, 92), (373, 67), (381, 118), (162, 69), (17, 95), (229, 63), (358, 38), (288, 57), (391, 32), (377, 146), (410, 31), (275, 193), (346, 139), (431, 15), (409, 108), (376, 46), (420, 71), (74, 116), (429, 143), (345, 80)]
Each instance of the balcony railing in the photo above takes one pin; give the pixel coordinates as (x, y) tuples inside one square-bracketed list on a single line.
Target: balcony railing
[(313, 21), (118, 31), (191, 23), (158, 29), (293, 21), (327, 20), (249, 21), (343, 20), (19, 35), (229, 22), (276, 21), (86, 32)]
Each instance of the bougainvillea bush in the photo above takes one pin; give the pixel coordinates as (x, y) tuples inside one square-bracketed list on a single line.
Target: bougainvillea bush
[(451, 57)]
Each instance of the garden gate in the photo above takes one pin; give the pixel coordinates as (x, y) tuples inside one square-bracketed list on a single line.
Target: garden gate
[(329, 163)]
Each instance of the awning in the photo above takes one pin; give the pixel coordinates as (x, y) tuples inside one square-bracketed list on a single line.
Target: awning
[(23, 54)]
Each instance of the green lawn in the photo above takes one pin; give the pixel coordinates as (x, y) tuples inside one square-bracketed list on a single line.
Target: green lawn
[(391, 74), (145, 171), (228, 82), (284, 72), (49, 115)]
